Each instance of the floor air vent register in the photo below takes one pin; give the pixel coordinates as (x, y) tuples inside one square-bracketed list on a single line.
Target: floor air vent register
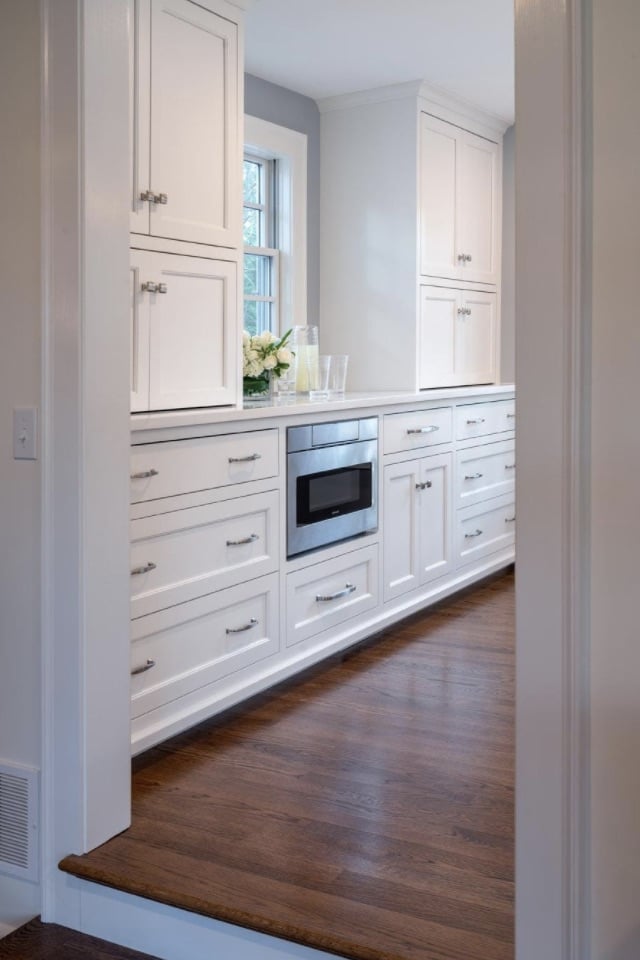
[(18, 821)]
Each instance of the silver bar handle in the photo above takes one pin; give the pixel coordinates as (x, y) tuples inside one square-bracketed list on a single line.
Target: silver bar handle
[(511, 416), (349, 588), (143, 669), (430, 429), (470, 536), (509, 466), (473, 476), (510, 519), (145, 474), (252, 456), (478, 420), (145, 568), (424, 486), (238, 543), (248, 626)]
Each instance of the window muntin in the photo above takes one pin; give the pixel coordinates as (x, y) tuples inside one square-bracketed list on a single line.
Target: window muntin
[(260, 253)]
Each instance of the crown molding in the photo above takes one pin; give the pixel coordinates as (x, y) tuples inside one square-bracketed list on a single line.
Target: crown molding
[(344, 101)]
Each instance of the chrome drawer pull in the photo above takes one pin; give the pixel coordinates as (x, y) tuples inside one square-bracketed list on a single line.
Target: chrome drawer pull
[(431, 429), (238, 543), (145, 474), (424, 486), (509, 466), (143, 669), (248, 626), (509, 519), (473, 476), (349, 588), (511, 416), (252, 456), (470, 536), (479, 420), (145, 568)]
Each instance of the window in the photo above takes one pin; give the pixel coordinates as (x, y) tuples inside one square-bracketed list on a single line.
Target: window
[(259, 237), (274, 227)]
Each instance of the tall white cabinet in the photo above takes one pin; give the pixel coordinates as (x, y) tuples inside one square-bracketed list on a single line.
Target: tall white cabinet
[(186, 111), (411, 238)]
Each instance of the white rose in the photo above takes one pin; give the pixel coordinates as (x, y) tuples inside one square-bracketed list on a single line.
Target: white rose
[(252, 356), (246, 340), (284, 355), (264, 339), (255, 368), (270, 362)]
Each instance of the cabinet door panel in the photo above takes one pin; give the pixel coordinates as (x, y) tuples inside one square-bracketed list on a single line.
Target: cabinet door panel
[(192, 328), (478, 207), (401, 529), (139, 110), (476, 339), (438, 188), (435, 519), (194, 130), (438, 342)]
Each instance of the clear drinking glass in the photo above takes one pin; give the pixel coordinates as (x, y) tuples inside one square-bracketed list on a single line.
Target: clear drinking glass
[(337, 375), (322, 389)]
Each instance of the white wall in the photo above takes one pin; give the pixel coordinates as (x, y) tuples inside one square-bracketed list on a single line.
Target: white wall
[(19, 386), (615, 721)]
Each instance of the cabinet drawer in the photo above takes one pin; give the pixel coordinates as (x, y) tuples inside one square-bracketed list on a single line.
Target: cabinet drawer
[(184, 554), (326, 594), (184, 466), (480, 419), (421, 428), (196, 643), (483, 472), (485, 529)]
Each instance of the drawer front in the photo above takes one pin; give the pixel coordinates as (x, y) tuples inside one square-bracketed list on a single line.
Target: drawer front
[(421, 428), (484, 472), (329, 593), (485, 529), (481, 419), (200, 642), (184, 554), (185, 466)]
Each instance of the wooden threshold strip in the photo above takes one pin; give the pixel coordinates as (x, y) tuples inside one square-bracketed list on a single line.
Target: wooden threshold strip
[(365, 810)]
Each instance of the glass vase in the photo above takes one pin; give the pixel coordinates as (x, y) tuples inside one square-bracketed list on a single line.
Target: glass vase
[(257, 389)]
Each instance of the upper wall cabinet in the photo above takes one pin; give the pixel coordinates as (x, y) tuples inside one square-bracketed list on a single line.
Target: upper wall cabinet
[(185, 116), (459, 203)]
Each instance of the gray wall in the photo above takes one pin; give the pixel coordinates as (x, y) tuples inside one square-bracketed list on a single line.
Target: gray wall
[(267, 101), (508, 344)]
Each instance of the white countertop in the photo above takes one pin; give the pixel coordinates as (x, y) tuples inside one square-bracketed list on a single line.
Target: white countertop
[(299, 405)]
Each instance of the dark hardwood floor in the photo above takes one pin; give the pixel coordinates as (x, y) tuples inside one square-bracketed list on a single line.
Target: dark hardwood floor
[(367, 810), (48, 941)]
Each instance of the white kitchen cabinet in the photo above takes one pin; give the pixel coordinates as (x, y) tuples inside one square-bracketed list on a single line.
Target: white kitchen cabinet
[(185, 115), (417, 543), (183, 331), (459, 203), (411, 198), (485, 528), (457, 341)]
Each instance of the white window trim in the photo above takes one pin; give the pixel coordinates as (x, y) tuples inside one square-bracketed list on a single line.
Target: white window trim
[(289, 147)]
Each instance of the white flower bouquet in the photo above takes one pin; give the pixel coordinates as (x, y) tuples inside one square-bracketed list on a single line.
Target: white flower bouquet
[(263, 356)]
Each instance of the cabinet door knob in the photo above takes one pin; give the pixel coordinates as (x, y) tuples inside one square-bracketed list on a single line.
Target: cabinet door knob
[(147, 195), (461, 312), (349, 588), (160, 198), (145, 474), (425, 485), (143, 669), (145, 568), (248, 626), (150, 287), (468, 258), (462, 257)]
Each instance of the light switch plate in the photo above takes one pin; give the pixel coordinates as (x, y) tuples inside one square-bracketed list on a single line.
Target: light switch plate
[(25, 439)]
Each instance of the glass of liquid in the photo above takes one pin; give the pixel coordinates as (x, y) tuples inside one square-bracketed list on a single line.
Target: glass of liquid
[(305, 345)]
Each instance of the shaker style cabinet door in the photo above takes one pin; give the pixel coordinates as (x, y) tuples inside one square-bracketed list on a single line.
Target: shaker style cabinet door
[(457, 337), (185, 123), (183, 331), (459, 203), (435, 497)]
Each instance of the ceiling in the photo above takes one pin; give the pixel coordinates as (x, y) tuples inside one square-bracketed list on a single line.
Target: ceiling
[(322, 48)]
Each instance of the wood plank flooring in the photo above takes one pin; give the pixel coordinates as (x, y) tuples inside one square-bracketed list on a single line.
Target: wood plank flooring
[(49, 941), (366, 810)]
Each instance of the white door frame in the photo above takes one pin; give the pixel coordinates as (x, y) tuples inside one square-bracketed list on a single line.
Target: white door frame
[(85, 460), (552, 356)]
